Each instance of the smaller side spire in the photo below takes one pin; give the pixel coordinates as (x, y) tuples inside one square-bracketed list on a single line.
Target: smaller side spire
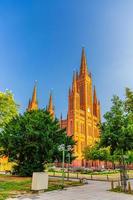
[(29, 105), (34, 95), (33, 104), (95, 103), (99, 110), (77, 75), (69, 91), (74, 85), (61, 117), (98, 102), (61, 120), (50, 106), (95, 96)]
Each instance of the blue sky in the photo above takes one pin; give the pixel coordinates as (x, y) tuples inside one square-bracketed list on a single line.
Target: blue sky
[(42, 40)]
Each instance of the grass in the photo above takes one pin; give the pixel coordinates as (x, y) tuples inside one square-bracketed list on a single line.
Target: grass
[(118, 189), (11, 186), (104, 175), (102, 172)]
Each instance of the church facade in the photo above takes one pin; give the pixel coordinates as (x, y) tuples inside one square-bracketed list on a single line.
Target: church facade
[(83, 111)]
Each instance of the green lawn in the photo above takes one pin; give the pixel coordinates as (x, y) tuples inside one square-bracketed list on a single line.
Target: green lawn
[(110, 175), (12, 186)]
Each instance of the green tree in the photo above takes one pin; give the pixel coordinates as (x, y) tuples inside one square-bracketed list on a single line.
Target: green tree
[(8, 108), (117, 131), (31, 140), (96, 153), (129, 101), (129, 157)]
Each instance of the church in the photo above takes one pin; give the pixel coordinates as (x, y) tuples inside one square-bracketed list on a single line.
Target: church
[(83, 111)]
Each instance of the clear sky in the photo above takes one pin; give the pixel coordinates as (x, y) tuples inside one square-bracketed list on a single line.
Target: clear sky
[(42, 40)]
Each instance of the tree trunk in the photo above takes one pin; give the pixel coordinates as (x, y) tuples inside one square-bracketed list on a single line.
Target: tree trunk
[(113, 164), (123, 174)]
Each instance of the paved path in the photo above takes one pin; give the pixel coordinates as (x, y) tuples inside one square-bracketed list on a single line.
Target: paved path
[(95, 190)]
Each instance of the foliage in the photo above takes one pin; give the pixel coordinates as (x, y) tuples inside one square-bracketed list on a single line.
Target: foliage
[(96, 153), (116, 133), (129, 101), (8, 108), (117, 130), (129, 157), (31, 140)]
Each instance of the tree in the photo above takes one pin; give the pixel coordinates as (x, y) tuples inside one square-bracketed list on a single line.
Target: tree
[(96, 153), (129, 101), (8, 108), (129, 157), (31, 140), (117, 131)]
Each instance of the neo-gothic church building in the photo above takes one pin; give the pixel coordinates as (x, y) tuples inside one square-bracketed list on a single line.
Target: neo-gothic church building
[(83, 111)]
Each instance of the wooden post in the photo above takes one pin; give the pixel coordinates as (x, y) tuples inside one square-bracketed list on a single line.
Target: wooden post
[(129, 187), (119, 184), (112, 185)]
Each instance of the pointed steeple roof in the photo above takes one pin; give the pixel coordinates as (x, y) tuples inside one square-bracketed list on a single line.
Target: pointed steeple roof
[(61, 117), (83, 66), (77, 75), (99, 102), (29, 105), (94, 96), (61, 120), (34, 95), (95, 103), (33, 104), (74, 86), (50, 106), (69, 91)]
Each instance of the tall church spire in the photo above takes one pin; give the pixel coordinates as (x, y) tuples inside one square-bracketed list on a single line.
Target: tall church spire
[(50, 106), (33, 104), (83, 66), (34, 95)]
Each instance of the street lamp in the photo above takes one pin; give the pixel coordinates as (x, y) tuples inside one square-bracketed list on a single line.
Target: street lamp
[(62, 148)]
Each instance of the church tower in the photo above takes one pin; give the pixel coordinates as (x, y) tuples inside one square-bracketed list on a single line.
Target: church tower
[(33, 104), (83, 111)]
